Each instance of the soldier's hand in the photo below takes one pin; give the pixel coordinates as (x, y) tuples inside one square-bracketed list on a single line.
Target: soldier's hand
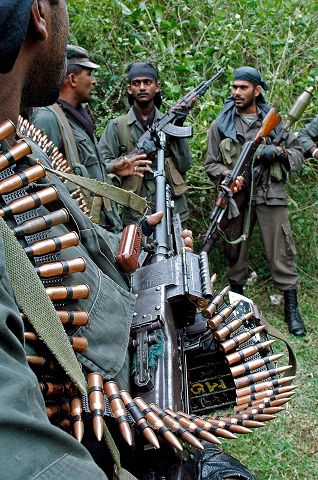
[(271, 153), (239, 182), (148, 223), (187, 240), (136, 165)]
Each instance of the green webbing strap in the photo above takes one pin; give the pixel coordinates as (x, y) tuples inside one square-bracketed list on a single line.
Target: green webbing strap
[(120, 472), (247, 219), (67, 135), (124, 136), (274, 332), (35, 303), (118, 195)]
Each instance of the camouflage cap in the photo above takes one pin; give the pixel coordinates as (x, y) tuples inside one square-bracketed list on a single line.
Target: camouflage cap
[(79, 56)]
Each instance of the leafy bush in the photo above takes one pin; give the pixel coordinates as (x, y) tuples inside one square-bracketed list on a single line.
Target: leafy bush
[(187, 40)]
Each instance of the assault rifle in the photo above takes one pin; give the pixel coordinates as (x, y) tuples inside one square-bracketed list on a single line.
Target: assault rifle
[(242, 166), (146, 143)]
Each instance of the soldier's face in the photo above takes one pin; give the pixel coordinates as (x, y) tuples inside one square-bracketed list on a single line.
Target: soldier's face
[(244, 94), (143, 89), (47, 72), (85, 83)]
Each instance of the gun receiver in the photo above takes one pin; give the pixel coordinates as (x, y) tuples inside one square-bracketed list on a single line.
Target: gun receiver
[(244, 162)]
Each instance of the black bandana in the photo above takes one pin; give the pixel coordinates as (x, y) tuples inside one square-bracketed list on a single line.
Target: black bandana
[(251, 75), (141, 69), (14, 20)]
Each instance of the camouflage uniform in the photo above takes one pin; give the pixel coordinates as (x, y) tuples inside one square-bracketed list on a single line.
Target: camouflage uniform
[(269, 209), (114, 143), (308, 138), (91, 161)]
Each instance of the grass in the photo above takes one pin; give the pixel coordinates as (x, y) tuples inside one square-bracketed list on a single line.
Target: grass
[(286, 448)]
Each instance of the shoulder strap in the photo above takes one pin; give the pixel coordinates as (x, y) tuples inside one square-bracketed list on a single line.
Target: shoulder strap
[(67, 135), (124, 137), (126, 198), (35, 303)]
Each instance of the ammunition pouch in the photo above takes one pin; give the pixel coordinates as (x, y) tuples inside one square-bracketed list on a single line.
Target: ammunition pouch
[(277, 174), (176, 181), (229, 151), (132, 183)]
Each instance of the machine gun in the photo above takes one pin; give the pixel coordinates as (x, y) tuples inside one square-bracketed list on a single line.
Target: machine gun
[(180, 337), (243, 164), (146, 143), (163, 287)]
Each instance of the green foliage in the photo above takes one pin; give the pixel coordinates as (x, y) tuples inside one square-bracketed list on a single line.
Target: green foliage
[(187, 41)]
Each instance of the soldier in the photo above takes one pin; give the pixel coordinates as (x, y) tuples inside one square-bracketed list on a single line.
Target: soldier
[(238, 122), (70, 127), (122, 134), (308, 139), (33, 38)]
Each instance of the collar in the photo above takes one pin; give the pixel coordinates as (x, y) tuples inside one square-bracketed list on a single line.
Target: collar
[(131, 118)]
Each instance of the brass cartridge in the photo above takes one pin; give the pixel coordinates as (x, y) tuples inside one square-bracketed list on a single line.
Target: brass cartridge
[(176, 427), (156, 422), (96, 402), (215, 303), (247, 367), (41, 223), (239, 339), (215, 321), (22, 179), (50, 245), (253, 378), (140, 419), (55, 269), (118, 409), (225, 331), (29, 202), (74, 292), (247, 352), (193, 428), (76, 415), (7, 128), (15, 153), (69, 317), (259, 387)]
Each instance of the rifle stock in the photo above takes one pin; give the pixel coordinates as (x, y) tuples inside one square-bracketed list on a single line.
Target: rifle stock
[(270, 122)]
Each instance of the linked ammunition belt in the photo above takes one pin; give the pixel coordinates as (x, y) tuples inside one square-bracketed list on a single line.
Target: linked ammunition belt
[(259, 392)]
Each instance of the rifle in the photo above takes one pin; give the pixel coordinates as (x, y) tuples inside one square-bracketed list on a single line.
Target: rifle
[(243, 164), (146, 143)]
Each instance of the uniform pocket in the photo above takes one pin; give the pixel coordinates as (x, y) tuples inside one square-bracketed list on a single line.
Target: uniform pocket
[(288, 247), (175, 179)]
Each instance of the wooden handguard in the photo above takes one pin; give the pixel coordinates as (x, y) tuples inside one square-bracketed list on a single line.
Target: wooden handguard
[(129, 248)]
